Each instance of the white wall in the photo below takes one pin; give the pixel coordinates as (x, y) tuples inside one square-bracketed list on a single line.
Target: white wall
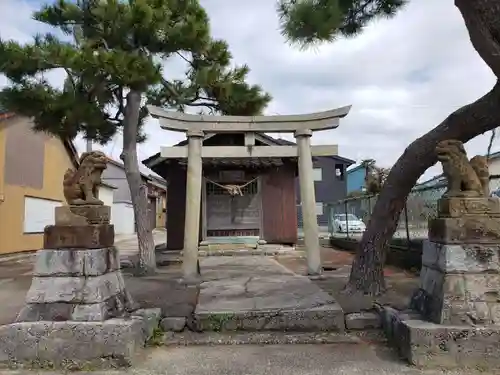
[(122, 216), (494, 166), (106, 195), (38, 213), (494, 169)]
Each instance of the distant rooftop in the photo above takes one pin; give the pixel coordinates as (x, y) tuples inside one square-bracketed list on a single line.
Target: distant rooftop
[(354, 168), (145, 172)]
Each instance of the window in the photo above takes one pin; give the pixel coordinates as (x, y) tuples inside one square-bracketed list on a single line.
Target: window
[(319, 208), (38, 213), (339, 171), (317, 174)]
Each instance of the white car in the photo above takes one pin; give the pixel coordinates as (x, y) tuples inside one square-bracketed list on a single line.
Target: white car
[(348, 223)]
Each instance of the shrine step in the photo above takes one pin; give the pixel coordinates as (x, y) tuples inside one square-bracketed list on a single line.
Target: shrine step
[(327, 318), (256, 293), (239, 249)]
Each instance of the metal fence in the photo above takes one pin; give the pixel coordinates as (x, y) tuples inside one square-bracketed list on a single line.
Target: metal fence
[(348, 218)]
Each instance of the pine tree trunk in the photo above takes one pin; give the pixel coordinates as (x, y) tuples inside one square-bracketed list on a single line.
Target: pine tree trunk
[(138, 191), (482, 19)]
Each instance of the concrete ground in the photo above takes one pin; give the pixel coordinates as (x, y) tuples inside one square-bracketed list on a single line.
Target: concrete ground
[(338, 359), (400, 283)]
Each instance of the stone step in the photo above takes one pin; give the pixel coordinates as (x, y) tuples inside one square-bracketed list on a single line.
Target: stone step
[(228, 246), (327, 318), (258, 294), (269, 250), (270, 338)]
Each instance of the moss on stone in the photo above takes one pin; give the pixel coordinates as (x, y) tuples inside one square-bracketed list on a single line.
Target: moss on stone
[(156, 338), (216, 322)]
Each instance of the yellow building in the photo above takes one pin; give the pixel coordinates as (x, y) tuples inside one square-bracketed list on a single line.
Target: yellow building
[(32, 166), (157, 196)]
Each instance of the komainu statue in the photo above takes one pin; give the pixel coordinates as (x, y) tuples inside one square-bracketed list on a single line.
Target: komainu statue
[(81, 185), (465, 178)]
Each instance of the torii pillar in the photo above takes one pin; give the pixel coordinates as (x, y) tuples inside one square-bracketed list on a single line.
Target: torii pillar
[(193, 205), (308, 200)]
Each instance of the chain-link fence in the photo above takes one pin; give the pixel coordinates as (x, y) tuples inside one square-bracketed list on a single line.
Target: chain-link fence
[(348, 218)]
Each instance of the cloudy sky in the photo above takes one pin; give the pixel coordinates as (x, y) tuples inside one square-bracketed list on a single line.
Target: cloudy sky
[(402, 76)]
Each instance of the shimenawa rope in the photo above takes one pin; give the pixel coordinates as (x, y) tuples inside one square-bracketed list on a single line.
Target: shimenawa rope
[(233, 190)]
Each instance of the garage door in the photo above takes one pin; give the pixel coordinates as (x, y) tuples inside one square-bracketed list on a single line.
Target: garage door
[(38, 213)]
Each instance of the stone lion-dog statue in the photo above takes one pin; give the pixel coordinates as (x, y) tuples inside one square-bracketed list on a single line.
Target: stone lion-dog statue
[(466, 178), (81, 185)]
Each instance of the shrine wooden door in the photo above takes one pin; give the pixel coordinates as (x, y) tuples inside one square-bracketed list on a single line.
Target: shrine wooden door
[(228, 215)]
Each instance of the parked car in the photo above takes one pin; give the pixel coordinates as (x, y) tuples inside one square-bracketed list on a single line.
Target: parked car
[(349, 222)]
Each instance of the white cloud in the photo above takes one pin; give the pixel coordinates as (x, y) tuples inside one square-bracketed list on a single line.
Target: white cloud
[(403, 76)]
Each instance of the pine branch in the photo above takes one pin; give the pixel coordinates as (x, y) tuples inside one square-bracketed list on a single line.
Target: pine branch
[(116, 47), (310, 21)]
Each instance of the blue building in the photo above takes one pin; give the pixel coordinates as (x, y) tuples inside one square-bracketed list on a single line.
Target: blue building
[(356, 178)]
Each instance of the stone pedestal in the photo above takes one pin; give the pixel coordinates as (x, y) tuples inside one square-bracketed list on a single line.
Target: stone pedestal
[(459, 295), (77, 289), (77, 275), (454, 316), (76, 284), (459, 284), (460, 275)]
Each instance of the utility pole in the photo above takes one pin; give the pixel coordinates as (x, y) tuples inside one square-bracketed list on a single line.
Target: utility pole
[(89, 145)]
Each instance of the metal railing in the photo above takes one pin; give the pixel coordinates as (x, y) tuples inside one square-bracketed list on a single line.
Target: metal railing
[(347, 218)]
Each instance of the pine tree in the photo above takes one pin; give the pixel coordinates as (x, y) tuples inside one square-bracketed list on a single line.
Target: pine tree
[(113, 52), (309, 21), (375, 176)]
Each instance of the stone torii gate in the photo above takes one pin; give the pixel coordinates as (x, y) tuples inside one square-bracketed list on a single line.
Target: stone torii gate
[(197, 126)]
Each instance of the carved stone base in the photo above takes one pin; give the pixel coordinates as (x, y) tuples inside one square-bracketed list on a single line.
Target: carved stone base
[(467, 229), (459, 284), (92, 236), (73, 284), (430, 345), (82, 215), (460, 207), (76, 262)]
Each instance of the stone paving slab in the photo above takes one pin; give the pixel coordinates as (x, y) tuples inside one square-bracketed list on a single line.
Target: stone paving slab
[(257, 293)]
